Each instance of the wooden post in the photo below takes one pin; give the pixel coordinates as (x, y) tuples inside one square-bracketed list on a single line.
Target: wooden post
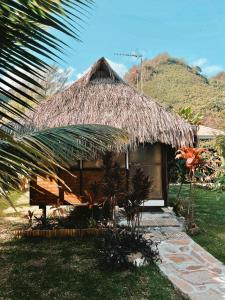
[(44, 211), (164, 175), (127, 169)]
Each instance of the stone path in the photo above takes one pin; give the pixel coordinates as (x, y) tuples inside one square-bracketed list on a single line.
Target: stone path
[(159, 221), (191, 269)]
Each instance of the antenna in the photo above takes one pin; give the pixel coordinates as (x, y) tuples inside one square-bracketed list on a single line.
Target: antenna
[(138, 56)]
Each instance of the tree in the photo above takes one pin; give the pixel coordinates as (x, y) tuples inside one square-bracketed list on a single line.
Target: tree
[(26, 44), (54, 80)]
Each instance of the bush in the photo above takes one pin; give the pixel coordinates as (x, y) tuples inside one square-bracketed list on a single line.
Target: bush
[(82, 217), (118, 245)]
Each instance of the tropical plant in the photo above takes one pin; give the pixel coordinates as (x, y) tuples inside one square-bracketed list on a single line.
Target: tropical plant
[(188, 114), (54, 80), (133, 200), (112, 186), (27, 42), (189, 159), (42, 152), (118, 247), (27, 45)]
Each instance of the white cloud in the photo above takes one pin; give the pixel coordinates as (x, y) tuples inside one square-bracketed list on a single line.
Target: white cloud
[(207, 69), (119, 68), (14, 83), (212, 70), (200, 62), (79, 75)]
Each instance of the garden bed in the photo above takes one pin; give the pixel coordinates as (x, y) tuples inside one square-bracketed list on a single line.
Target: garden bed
[(51, 233)]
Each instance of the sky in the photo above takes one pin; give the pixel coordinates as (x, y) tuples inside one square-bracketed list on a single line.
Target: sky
[(193, 30)]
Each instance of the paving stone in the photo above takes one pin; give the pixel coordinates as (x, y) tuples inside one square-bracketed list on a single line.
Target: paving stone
[(190, 268), (199, 277), (184, 249), (208, 295), (194, 268), (216, 270), (198, 257), (179, 258), (181, 284), (180, 242)]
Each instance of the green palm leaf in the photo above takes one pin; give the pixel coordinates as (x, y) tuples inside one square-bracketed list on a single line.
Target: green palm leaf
[(44, 152), (25, 46), (27, 42)]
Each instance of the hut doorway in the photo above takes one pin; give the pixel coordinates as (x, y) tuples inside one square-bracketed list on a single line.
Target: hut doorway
[(151, 158)]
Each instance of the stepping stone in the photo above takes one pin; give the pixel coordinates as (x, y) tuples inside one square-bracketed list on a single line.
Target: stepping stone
[(191, 269)]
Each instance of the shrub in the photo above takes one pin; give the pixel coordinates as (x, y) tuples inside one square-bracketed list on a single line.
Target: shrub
[(139, 189), (82, 217), (118, 245)]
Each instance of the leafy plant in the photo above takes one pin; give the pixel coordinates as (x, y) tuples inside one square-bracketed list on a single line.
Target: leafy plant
[(188, 114), (52, 81), (30, 217), (112, 186), (27, 43), (42, 223), (139, 191), (190, 160), (43, 152), (117, 245), (27, 46)]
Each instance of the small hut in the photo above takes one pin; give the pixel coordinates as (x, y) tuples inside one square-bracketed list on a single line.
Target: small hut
[(102, 97), (205, 133)]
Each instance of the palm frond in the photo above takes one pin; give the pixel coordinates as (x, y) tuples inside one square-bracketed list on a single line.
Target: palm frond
[(43, 152), (26, 41)]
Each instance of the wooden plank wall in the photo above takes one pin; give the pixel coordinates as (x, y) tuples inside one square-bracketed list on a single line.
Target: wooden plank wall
[(48, 192)]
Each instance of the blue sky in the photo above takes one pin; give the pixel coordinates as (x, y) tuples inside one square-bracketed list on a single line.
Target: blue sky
[(189, 29)]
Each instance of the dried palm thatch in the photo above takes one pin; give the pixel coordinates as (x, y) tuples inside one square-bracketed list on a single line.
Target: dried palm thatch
[(102, 97)]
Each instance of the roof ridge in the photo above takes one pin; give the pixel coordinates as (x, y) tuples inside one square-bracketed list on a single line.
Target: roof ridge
[(101, 69)]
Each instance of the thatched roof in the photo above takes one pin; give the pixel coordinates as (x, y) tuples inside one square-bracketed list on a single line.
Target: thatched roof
[(102, 97), (208, 133)]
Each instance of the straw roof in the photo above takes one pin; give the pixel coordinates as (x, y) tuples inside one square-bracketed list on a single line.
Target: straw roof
[(102, 97), (208, 133)]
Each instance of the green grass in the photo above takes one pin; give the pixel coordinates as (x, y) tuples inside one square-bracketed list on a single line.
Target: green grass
[(68, 269), (209, 216)]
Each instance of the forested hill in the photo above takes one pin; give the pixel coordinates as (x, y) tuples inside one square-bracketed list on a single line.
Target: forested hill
[(175, 85)]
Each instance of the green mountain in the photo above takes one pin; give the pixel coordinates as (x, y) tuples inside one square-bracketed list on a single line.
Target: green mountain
[(175, 84)]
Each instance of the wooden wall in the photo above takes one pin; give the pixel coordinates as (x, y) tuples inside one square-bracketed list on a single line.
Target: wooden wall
[(48, 192)]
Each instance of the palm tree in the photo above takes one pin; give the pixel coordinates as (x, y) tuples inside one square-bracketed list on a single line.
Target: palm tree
[(26, 44)]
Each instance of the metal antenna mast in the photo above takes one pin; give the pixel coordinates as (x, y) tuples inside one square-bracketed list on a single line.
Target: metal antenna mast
[(138, 56)]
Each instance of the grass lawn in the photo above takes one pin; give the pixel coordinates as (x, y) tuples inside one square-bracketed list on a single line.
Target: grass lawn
[(68, 269), (209, 216)]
